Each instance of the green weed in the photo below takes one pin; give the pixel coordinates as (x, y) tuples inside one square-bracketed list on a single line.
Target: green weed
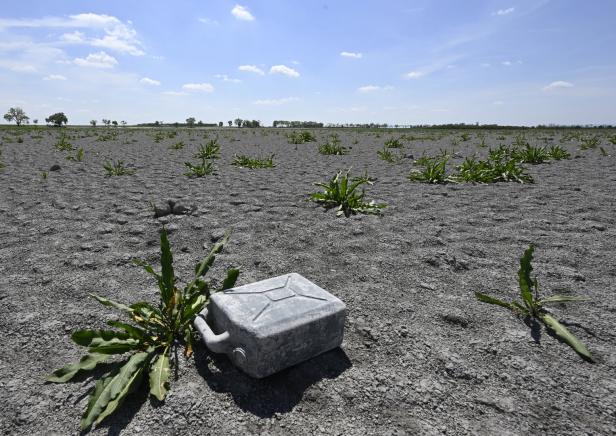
[(149, 342), (205, 168), (333, 148), (211, 150), (532, 307), (394, 143), (63, 144), (589, 142), (341, 192), (244, 161), (78, 156), (301, 137), (556, 152), (117, 168), (433, 170), (177, 146), (388, 156)]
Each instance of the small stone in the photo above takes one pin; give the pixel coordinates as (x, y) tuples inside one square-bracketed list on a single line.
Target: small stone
[(55, 167), (171, 228), (216, 235)]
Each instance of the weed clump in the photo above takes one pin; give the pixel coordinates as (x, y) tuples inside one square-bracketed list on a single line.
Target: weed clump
[(149, 342), (342, 192), (532, 307), (244, 161), (117, 168)]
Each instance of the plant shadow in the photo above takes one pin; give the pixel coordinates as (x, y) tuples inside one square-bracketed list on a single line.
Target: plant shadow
[(278, 393)]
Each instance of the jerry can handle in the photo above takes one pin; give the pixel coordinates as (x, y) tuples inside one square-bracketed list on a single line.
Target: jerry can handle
[(216, 343)]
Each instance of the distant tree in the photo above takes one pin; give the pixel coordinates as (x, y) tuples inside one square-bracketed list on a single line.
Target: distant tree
[(115, 123), (220, 124), (16, 114), (200, 123), (238, 122), (191, 121), (156, 123), (123, 123), (106, 122), (35, 121), (57, 119), (230, 123), (93, 123)]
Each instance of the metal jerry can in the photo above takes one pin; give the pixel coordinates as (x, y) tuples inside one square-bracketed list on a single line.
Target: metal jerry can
[(267, 326)]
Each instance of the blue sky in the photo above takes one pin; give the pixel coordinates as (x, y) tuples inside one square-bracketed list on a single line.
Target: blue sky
[(399, 62)]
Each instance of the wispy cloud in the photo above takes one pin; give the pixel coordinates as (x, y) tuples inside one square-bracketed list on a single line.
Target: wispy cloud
[(284, 70), (117, 35), (559, 84), (374, 88), (208, 21), (242, 13), (96, 60), (201, 87), (276, 102), (151, 82), (350, 54), (54, 77), (414, 74), (502, 12), (251, 69), (226, 78)]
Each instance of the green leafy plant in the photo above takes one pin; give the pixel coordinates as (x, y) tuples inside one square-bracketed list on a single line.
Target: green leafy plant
[(531, 155), (149, 343), (388, 156), (533, 307), (465, 137), (177, 146), (117, 168), (78, 155), (342, 192), (556, 152), (244, 161), (333, 148), (211, 150), (394, 143), (520, 141), (433, 170), (301, 137), (613, 140), (44, 175), (589, 142), (205, 168), (63, 144)]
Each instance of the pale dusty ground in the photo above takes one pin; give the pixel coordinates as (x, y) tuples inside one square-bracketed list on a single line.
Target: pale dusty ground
[(421, 355)]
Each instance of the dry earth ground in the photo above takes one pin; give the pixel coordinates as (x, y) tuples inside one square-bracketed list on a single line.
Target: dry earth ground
[(420, 356)]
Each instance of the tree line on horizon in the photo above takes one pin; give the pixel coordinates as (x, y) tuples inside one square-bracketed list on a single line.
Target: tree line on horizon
[(58, 119)]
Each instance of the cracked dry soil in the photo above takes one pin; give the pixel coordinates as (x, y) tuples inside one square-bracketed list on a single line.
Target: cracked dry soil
[(420, 355)]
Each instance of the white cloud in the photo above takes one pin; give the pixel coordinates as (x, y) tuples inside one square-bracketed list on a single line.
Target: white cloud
[(283, 69), (97, 60), (18, 67), (559, 84), (208, 21), (241, 13), (502, 12), (117, 35), (373, 88), (202, 87), (148, 81), (349, 54), (251, 69), (226, 78), (276, 102), (507, 63), (54, 77), (75, 37), (414, 74)]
